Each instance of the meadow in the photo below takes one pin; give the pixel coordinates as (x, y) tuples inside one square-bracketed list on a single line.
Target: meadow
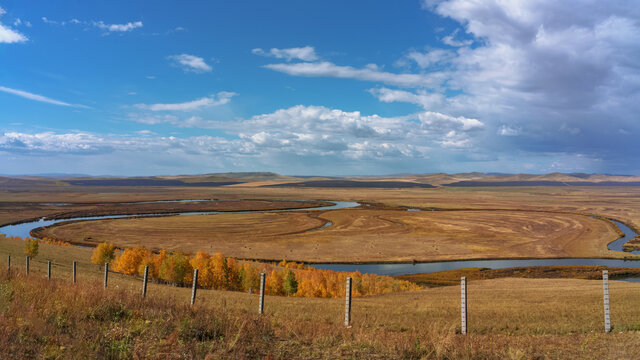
[(517, 313), (511, 318)]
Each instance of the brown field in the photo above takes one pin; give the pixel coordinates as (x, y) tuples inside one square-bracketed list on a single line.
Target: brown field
[(358, 235), (508, 318), (452, 277), (522, 221)]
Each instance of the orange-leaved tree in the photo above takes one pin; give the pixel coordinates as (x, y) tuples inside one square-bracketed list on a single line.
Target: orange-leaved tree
[(130, 260)]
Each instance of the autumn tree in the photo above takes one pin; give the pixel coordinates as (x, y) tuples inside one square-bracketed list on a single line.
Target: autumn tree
[(31, 247), (128, 262), (103, 253), (273, 283), (176, 268), (290, 285)]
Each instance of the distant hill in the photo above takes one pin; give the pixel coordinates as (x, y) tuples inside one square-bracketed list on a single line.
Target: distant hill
[(353, 184), (145, 182), (270, 179)]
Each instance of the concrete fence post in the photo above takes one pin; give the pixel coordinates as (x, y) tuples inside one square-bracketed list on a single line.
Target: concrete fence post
[(194, 286), (261, 298), (463, 305), (347, 304), (605, 290), (106, 274), (74, 272), (27, 264), (144, 281), (49, 269)]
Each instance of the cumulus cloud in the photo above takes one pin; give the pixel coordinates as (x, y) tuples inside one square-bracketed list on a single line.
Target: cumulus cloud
[(190, 63), (84, 143), (452, 41), (320, 131), (220, 98), (49, 142), (36, 97), (306, 53), (420, 97), (9, 35), (431, 57), (369, 73)]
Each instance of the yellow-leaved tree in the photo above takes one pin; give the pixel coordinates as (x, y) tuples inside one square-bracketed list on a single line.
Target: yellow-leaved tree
[(103, 253), (31, 247)]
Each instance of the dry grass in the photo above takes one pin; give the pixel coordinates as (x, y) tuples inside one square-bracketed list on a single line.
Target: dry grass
[(359, 235), (508, 318), (452, 277)]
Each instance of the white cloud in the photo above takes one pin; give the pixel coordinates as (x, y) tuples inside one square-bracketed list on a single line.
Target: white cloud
[(220, 98), (320, 131), (431, 57), (78, 142), (505, 130), (97, 24), (190, 63), (306, 53), (37, 97), (368, 73), (451, 40), (433, 120), (8, 35), (116, 27), (420, 97), (455, 140)]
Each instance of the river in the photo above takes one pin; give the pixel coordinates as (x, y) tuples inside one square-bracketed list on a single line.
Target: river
[(22, 230)]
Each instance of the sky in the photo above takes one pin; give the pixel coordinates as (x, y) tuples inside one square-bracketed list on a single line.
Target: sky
[(375, 87)]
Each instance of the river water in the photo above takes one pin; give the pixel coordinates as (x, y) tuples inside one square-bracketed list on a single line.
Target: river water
[(22, 230)]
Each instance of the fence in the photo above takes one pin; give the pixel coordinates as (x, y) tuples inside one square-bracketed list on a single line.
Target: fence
[(348, 292)]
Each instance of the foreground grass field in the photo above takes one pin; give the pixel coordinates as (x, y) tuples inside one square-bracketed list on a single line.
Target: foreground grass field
[(508, 318)]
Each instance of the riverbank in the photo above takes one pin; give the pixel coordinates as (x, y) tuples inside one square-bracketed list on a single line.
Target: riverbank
[(587, 272)]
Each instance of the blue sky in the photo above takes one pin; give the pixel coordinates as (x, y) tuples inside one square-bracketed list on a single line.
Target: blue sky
[(327, 88)]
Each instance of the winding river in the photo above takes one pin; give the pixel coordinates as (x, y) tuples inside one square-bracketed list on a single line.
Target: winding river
[(22, 230)]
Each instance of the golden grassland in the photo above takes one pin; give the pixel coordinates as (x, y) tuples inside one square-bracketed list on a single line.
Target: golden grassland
[(508, 318), (452, 277), (358, 235)]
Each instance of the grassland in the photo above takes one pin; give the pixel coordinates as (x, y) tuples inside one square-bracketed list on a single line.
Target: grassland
[(508, 318), (452, 277), (358, 235)]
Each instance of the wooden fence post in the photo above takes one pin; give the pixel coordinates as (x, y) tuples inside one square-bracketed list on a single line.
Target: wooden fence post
[(194, 286), (144, 281), (261, 298), (463, 304), (74, 272), (106, 274), (27, 264), (8, 262), (605, 290), (347, 304), (49, 269)]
